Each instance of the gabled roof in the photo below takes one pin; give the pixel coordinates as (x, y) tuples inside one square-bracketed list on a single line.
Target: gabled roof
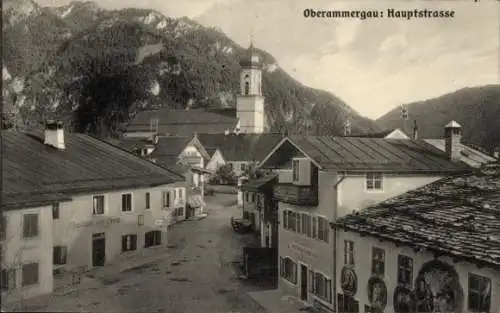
[(469, 155), (456, 216), (183, 122), (352, 154), (240, 147), (33, 171), (259, 183), (170, 146)]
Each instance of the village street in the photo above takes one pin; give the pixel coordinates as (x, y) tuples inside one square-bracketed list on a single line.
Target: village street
[(196, 274)]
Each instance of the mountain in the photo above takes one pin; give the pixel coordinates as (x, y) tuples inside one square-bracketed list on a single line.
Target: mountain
[(101, 67), (477, 109)]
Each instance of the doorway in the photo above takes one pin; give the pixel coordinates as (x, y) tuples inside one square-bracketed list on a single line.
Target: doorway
[(303, 282), (98, 249)]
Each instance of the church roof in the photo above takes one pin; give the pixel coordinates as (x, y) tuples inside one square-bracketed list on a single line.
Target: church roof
[(182, 123), (250, 57)]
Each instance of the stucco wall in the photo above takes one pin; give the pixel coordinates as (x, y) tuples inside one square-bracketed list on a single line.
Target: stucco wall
[(362, 256), (18, 250), (353, 194), (315, 254), (76, 224)]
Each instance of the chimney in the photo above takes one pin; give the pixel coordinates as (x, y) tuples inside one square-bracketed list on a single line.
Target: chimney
[(54, 134), (415, 130), (452, 138)]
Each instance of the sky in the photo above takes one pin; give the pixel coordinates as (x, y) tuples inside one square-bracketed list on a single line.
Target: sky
[(373, 65)]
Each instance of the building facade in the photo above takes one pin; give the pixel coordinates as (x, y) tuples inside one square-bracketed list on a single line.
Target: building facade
[(433, 249), (322, 179), (75, 202)]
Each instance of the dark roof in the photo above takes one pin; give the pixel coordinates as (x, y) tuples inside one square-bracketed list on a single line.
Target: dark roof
[(129, 144), (171, 146), (259, 183), (240, 147), (457, 216), (353, 154), (33, 171), (183, 122)]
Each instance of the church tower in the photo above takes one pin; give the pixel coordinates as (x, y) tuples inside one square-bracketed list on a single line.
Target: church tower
[(250, 102)]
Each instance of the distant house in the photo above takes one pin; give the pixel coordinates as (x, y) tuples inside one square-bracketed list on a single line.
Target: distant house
[(395, 133), (321, 179), (185, 156), (259, 208), (72, 202), (434, 247), (473, 157)]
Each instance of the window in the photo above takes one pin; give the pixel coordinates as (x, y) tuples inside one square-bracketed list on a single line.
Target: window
[(30, 225), (3, 227), (288, 269), (60, 255), (479, 293), (127, 202), (98, 208), (178, 212), (247, 85), (348, 252), (347, 304), (129, 243), (405, 270), (378, 261), (8, 279), (323, 229), (165, 199), (152, 238), (246, 197), (180, 194), (306, 225), (243, 167), (374, 181), (55, 211), (140, 220), (30, 274), (148, 200), (295, 170), (230, 166), (315, 227), (322, 287), (252, 200)]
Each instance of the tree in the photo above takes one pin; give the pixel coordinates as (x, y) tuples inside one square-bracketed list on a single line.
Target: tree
[(225, 175)]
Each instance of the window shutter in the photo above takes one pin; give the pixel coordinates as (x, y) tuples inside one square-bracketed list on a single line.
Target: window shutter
[(64, 255), (55, 259), (311, 281), (124, 243), (294, 273), (133, 242)]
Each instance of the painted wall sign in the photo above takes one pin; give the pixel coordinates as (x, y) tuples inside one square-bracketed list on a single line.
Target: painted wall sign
[(377, 293), (438, 289), (99, 223), (349, 281), (302, 250), (403, 301)]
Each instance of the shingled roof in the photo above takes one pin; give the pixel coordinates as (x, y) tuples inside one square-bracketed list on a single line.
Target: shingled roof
[(353, 154), (35, 173), (183, 122), (456, 216), (259, 183), (241, 147)]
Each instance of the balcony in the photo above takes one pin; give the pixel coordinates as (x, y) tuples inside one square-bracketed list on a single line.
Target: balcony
[(298, 195)]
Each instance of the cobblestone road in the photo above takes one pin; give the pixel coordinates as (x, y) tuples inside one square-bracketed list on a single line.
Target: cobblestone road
[(196, 274)]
